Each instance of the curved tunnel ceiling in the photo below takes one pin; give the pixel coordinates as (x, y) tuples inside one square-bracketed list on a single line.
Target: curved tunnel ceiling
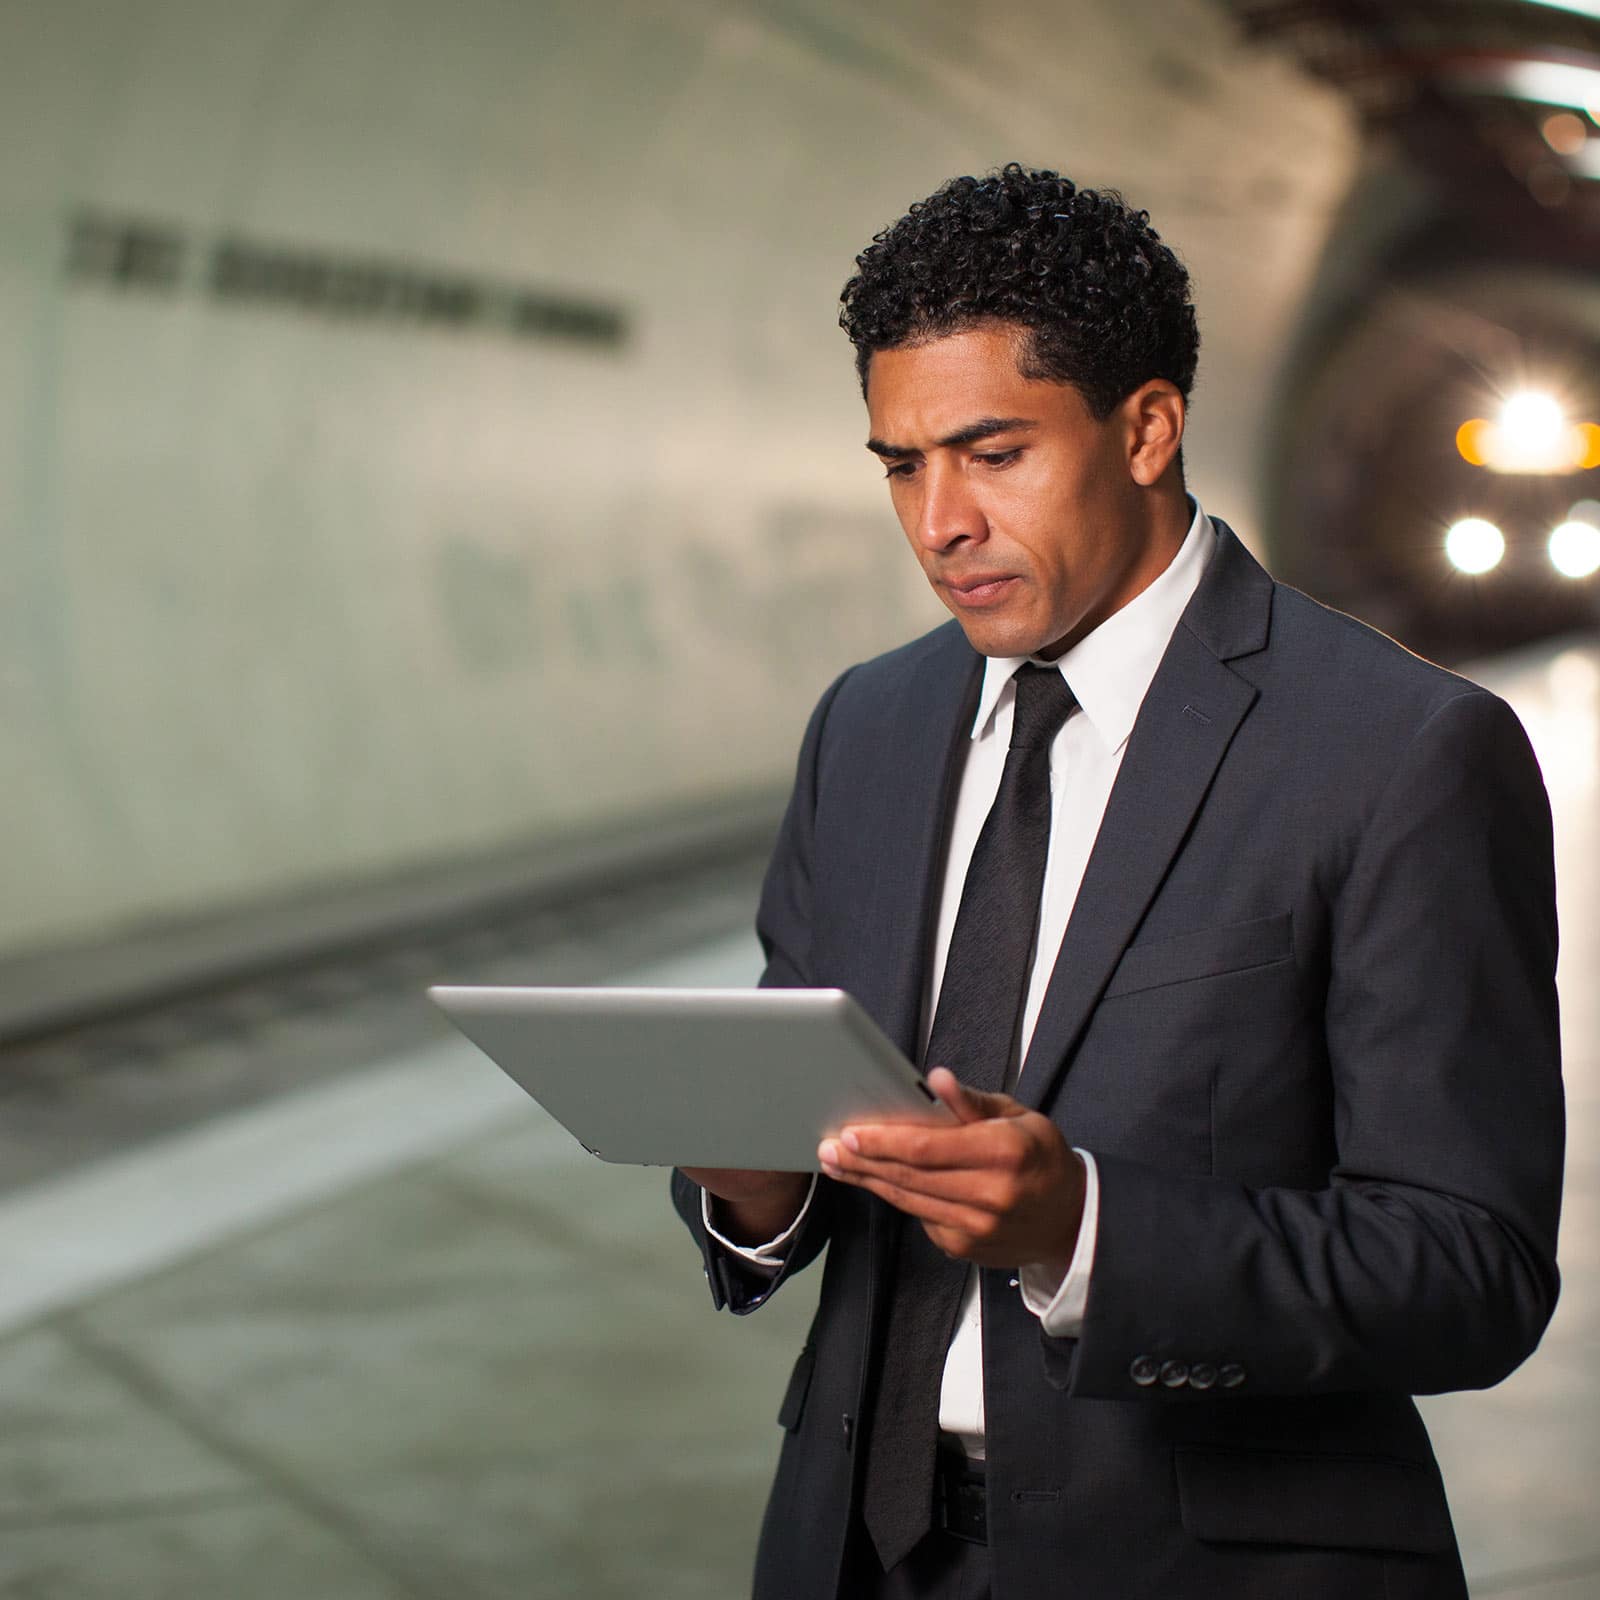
[(1468, 89), (1495, 106)]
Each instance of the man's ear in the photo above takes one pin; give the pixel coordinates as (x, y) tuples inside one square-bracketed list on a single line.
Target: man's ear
[(1155, 414)]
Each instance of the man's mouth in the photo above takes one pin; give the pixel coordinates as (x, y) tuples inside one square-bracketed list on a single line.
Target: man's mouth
[(979, 589)]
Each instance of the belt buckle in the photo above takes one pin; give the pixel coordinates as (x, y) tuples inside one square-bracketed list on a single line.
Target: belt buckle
[(962, 1505)]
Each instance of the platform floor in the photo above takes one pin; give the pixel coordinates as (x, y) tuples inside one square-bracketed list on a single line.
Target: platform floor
[(388, 1333)]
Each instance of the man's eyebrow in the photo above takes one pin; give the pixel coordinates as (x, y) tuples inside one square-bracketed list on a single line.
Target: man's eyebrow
[(983, 428)]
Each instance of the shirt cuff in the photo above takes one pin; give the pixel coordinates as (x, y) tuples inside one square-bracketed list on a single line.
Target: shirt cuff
[(1060, 1305), (769, 1255)]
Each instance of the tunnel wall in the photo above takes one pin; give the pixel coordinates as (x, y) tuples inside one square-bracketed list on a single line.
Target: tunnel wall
[(425, 429)]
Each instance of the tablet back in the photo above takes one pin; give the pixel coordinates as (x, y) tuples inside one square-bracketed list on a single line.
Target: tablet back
[(694, 1077)]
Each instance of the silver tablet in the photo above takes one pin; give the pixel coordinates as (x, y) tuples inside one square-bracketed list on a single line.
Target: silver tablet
[(695, 1077)]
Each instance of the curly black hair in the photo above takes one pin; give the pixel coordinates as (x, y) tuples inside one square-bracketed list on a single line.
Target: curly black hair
[(1105, 304)]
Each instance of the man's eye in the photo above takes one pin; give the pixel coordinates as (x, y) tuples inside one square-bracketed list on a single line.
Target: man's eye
[(998, 458), (900, 469)]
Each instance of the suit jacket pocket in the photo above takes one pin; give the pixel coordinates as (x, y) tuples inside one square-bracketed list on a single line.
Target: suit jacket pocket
[(1206, 953), (794, 1397), (1340, 1502)]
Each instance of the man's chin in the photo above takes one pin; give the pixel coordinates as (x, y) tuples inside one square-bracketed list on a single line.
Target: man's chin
[(991, 636)]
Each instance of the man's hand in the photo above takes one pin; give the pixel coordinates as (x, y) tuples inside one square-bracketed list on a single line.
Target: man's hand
[(753, 1206), (1002, 1188)]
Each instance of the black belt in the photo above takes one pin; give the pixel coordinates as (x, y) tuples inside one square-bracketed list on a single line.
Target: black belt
[(960, 1502)]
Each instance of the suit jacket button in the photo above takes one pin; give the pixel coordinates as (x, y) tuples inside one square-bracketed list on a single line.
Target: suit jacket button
[(1202, 1375), (1230, 1375), (847, 1426), (1144, 1371), (1174, 1374)]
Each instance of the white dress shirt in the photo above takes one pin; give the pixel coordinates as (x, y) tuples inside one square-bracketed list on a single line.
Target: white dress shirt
[(1109, 672)]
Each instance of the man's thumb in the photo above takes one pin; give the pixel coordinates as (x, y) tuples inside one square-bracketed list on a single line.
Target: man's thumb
[(967, 1104)]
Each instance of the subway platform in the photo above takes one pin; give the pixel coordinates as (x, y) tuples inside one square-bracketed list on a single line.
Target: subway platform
[(387, 1332)]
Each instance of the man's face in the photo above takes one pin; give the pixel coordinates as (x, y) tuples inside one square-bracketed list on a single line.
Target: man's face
[(1023, 510)]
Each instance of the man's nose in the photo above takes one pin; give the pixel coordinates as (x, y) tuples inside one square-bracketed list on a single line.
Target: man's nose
[(949, 512)]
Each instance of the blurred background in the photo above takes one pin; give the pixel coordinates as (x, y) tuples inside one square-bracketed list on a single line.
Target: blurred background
[(431, 500)]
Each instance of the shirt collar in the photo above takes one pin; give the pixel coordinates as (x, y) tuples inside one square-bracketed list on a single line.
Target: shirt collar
[(1109, 670)]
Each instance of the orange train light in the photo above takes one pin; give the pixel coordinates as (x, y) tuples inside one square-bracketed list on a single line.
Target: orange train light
[(1470, 441), (1542, 444)]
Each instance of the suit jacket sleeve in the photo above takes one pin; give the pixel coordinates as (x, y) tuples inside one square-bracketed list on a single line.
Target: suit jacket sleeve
[(1427, 1263), (783, 922)]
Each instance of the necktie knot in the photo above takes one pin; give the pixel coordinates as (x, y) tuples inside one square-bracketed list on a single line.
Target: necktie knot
[(1044, 702)]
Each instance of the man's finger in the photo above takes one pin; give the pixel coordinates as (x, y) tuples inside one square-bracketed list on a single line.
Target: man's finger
[(937, 1145), (988, 1142), (962, 1101), (925, 1208), (969, 1104), (974, 1187), (964, 1146)]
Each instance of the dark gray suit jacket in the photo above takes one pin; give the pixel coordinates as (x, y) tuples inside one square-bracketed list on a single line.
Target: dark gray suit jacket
[(1304, 1015)]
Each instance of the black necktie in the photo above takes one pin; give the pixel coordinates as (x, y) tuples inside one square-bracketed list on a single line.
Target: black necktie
[(974, 1034)]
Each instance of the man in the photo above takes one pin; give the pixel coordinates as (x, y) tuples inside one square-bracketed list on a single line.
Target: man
[(1235, 921)]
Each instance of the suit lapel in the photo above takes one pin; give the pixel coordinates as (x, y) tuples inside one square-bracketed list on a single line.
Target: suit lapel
[(1194, 706), (919, 762)]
